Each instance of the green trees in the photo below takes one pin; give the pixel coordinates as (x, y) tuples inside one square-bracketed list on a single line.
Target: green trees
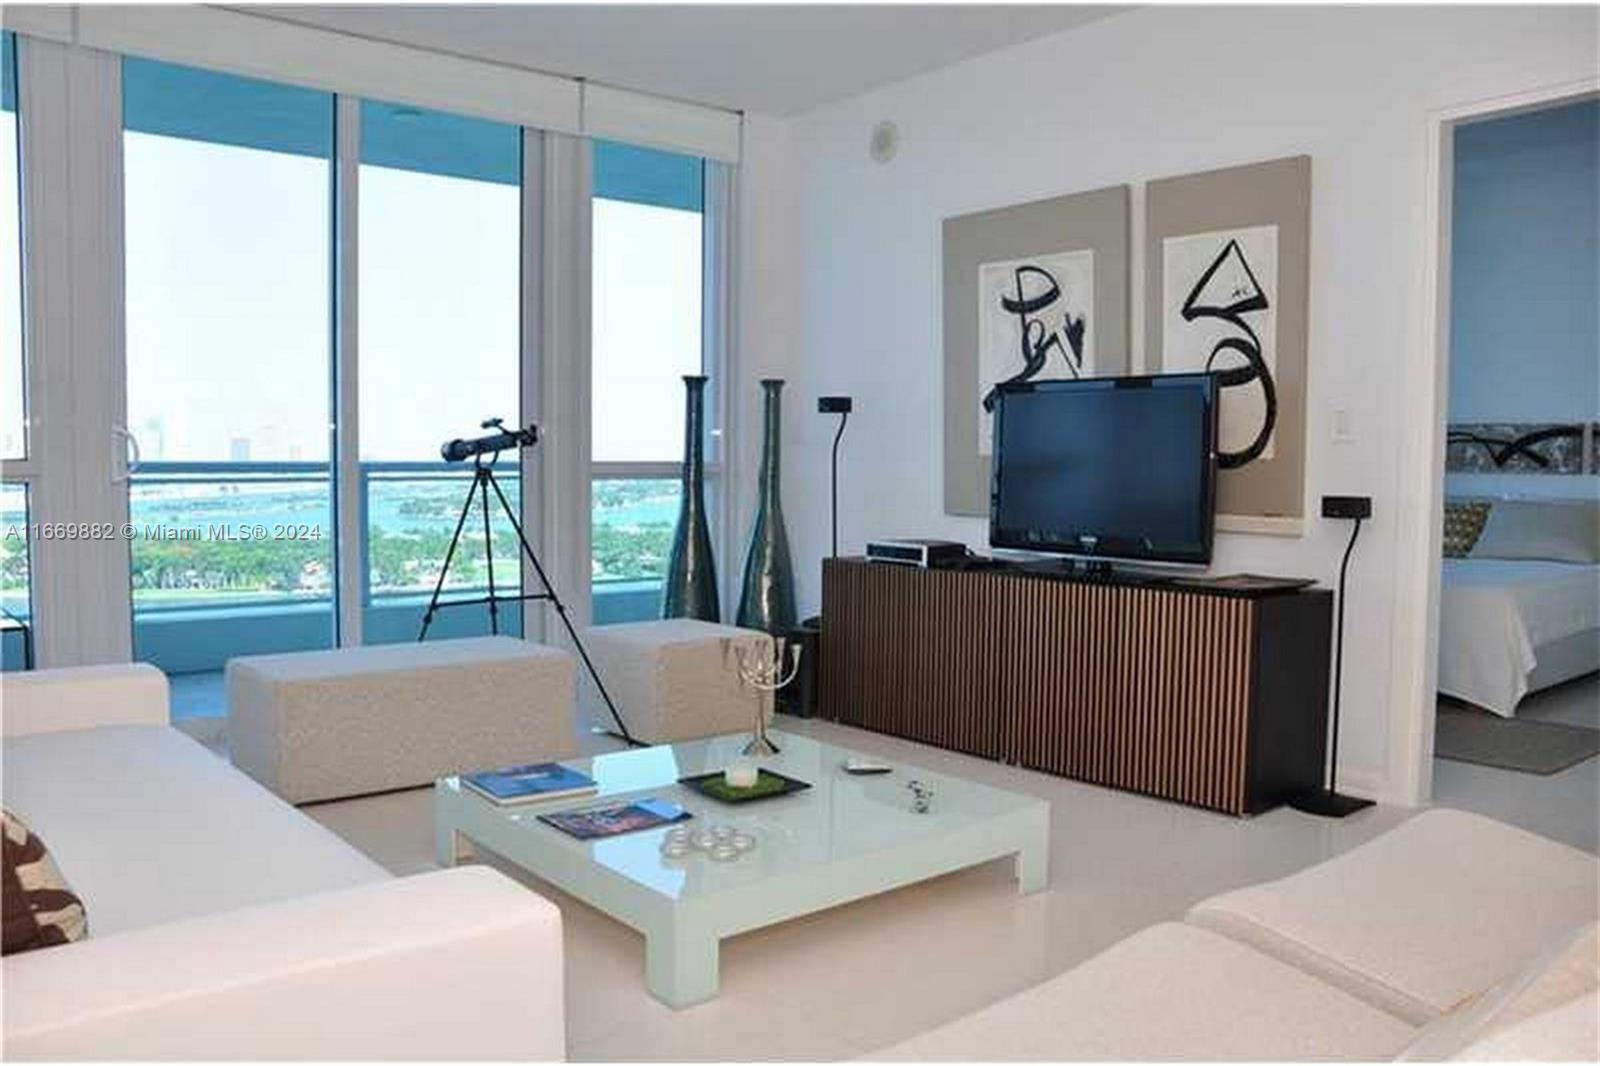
[(408, 533)]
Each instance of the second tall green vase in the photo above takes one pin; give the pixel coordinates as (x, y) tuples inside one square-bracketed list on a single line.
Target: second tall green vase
[(766, 595), (691, 590)]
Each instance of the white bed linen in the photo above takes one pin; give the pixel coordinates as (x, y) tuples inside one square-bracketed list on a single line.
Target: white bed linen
[(1495, 613)]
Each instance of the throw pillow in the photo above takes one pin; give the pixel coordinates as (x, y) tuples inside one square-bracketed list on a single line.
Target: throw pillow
[(1563, 531), (1463, 523), (40, 908)]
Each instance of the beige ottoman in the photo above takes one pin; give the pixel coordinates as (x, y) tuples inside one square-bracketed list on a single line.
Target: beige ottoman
[(676, 679), (323, 724)]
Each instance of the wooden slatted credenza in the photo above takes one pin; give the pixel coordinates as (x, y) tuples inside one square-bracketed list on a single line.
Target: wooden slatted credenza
[(1208, 698)]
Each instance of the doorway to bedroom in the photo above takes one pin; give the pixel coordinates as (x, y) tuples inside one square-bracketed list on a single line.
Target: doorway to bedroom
[(1517, 728)]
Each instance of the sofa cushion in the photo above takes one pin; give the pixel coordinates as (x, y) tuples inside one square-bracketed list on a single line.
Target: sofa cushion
[(41, 910), (150, 827), (1421, 919), (1169, 992), (1565, 970), (1569, 1033)]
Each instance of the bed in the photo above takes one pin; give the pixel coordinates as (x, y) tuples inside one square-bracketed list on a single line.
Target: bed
[(1508, 627)]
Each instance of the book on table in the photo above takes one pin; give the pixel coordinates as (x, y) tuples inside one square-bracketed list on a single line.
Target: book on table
[(532, 783)]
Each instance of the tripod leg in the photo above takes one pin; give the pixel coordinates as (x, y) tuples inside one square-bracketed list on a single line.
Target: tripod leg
[(561, 612), (485, 474), (450, 554)]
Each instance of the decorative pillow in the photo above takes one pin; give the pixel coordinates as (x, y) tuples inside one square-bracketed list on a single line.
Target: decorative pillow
[(1463, 523), (1563, 531), (40, 908)]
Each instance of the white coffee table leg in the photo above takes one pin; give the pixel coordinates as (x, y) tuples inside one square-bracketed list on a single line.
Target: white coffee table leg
[(1033, 858), (680, 962), (449, 846)]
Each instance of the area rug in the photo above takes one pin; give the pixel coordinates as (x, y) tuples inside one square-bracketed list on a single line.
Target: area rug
[(1466, 735)]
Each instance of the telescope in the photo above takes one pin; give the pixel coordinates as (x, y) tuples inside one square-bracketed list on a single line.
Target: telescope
[(454, 451)]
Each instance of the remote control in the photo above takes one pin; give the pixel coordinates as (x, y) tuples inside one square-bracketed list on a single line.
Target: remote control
[(866, 766)]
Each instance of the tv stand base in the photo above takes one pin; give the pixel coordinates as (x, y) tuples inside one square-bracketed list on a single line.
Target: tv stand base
[(1214, 699)]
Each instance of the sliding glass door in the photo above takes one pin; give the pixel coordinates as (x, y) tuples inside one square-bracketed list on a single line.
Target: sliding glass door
[(646, 321), (439, 298), (319, 292), (228, 224), (16, 601), (234, 380)]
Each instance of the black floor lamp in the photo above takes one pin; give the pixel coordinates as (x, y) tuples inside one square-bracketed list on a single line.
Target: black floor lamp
[(800, 698), (834, 405), (1329, 802)]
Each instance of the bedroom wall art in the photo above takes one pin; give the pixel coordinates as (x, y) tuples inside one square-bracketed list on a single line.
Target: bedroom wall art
[(1031, 292), (1226, 277), (1522, 448)]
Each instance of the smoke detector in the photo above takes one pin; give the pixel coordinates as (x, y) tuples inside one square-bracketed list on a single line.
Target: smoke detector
[(885, 142)]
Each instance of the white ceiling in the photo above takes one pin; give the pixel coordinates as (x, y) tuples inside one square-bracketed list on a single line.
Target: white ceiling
[(774, 59)]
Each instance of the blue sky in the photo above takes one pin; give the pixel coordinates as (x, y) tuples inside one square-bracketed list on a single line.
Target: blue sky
[(229, 316)]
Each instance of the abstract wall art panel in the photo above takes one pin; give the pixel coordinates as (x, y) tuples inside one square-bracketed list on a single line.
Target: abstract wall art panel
[(1225, 291), (1227, 322), (1035, 322), (1031, 292)]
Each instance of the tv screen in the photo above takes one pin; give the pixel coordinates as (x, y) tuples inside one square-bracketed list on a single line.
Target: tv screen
[(1119, 467)]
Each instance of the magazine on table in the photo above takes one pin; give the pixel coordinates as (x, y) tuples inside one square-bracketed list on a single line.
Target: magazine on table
[(534, 782), (600, 822)]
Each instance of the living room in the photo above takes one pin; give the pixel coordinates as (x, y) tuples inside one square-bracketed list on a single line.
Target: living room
[(270, 259)]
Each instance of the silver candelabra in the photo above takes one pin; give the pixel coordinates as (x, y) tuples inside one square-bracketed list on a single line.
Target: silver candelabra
[(765, 666)]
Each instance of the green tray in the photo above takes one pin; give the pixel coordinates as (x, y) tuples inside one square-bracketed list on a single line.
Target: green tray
[(769, 785)]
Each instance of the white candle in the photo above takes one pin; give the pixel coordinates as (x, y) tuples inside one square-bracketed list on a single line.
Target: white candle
[(741, 775)]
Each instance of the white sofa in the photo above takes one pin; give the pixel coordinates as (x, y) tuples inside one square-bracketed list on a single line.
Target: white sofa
[(1452, 936), (224, 924)]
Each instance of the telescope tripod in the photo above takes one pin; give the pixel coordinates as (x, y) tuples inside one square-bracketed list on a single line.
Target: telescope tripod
[(483, 483)]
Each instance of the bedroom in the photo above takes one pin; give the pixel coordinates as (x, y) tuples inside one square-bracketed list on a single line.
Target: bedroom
[(1518, 722)]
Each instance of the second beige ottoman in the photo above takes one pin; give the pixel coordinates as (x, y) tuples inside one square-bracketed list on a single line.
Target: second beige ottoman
[(674, 679), (319, 725)]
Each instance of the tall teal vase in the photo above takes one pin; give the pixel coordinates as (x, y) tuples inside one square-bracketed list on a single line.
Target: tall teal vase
[(766, 596), (691, 571)]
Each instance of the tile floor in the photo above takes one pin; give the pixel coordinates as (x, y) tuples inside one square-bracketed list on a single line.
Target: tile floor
[(1564, 806), (861, 977)]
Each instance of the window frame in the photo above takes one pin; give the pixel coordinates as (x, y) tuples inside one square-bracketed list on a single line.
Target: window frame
[(26, 467), (78, 452), (714, 255), (21, 472)]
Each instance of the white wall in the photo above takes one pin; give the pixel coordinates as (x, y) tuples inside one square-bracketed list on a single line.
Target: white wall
[(1155, 92), (766, 330), (1525, 283), (1525, 268)]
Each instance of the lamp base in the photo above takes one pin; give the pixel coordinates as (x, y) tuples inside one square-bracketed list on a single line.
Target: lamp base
[(760, 747), (1327, 803)]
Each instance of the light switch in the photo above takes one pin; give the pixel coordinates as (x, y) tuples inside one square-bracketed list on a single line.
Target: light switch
[(1341, 425)]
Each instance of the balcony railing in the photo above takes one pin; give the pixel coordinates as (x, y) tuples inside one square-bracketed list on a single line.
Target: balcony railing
[(241, 557)]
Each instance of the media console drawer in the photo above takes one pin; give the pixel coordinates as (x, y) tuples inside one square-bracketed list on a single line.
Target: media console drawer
[(1209, 699)]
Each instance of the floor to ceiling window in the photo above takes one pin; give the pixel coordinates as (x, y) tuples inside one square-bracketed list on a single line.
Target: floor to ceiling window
[(228, 215), (648, 264), (15, 600), (439, 298)]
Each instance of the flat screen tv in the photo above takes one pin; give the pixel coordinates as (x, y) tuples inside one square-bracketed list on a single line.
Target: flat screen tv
[(1120, 468)]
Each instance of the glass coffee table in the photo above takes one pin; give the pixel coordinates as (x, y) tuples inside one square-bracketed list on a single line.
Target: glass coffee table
[(844, 838)]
